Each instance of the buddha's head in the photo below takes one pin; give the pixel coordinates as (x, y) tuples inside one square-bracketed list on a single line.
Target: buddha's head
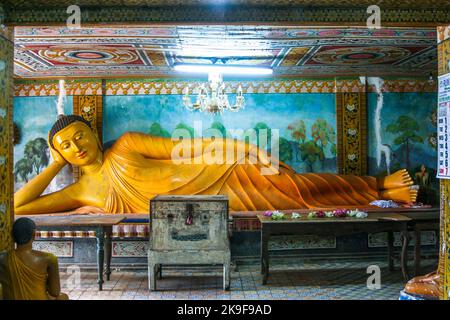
[(73, 138)]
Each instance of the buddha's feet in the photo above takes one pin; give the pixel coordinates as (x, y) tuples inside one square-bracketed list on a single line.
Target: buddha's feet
[(398, 179), (427, 285), (404, 194), (398, 187)]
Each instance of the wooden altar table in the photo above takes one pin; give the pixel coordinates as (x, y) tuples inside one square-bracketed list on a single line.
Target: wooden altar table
[(422, 219), (102, 225), (375, 222)]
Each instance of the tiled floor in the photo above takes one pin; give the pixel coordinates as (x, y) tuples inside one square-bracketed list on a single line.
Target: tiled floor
[(288, 280)]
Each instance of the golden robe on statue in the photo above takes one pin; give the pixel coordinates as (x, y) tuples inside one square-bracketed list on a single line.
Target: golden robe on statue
[(140, 166), (22, 282)]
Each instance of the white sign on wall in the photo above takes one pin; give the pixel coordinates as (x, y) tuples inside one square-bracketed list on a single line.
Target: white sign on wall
[(443, 135)]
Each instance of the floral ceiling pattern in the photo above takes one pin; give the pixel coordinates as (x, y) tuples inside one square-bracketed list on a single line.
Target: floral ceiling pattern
[(140, 51)]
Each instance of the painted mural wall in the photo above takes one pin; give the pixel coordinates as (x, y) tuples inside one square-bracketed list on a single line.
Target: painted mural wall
[(408, 135), (306, 123), (33, 119)]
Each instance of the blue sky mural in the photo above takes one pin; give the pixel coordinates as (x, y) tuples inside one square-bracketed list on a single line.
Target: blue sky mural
[(297, 117)]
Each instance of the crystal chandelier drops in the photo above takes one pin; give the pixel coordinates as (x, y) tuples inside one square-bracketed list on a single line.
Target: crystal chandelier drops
[(211, 97)]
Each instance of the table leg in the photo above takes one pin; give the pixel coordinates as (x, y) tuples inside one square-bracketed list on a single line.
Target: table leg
[(404, 257), (108, 251), (226, 273), (152, 276), (100, 235), (160, 270), (417, 252), (390, 250), (265, 255)]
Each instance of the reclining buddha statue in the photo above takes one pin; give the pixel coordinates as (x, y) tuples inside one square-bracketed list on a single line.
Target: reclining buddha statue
[(139, 166)]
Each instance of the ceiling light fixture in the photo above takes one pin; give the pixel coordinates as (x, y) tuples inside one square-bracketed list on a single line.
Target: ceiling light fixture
[(212, 97), (222, 69)]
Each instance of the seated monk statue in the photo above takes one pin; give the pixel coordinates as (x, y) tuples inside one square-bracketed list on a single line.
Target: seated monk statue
[(27, 274), (138, 167)]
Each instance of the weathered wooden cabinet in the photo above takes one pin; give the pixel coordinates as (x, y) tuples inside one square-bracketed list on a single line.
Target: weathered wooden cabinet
[(189, 230)]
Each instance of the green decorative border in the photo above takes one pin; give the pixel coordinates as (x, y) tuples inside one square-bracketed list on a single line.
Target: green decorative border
[(227, 14)]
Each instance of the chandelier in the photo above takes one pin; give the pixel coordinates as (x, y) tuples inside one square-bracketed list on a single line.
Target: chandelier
[(211, 96)]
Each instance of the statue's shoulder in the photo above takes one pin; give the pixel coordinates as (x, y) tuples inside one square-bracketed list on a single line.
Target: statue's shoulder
[(46, 256)]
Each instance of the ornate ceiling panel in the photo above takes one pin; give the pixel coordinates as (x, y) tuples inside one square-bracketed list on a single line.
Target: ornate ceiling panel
[(51, 52)]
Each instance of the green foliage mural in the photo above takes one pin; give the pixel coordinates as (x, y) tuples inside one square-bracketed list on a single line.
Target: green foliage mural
[(296, 118), (406, 129), (311, 153), (157, 130), (219, 126), (34, 160), (323, 137)]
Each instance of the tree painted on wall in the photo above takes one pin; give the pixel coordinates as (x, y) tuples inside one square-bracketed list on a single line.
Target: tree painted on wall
[(405, 128), (22, 169), (324, 136), (34, 160), (36, 152), (183, 126), (217, 125), (285, 150), (298, 130), (311, 152), (298, 134), (157, 130), (263, 126)]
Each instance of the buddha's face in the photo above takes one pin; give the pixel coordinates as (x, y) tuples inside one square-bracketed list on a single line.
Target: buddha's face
[(77, 144)]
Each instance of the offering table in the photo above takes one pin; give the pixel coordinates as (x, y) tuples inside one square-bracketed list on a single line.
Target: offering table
[(422, 219), (375, 222), (101, 224)]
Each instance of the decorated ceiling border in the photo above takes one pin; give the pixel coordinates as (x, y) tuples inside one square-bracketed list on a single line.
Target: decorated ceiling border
[(227, 14), (51, 88), (151, 87)]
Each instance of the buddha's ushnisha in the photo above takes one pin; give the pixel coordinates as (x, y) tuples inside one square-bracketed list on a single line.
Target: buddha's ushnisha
[(139, 166)]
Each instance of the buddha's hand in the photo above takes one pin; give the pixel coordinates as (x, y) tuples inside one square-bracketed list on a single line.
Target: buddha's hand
[(57, 157)]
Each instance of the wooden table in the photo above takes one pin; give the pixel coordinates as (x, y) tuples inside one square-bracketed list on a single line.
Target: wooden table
[(101, 224), (423, 219), (375, 222)]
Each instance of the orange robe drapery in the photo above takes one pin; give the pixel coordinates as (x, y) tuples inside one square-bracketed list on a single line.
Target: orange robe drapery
[(140, 166), (24, 283)]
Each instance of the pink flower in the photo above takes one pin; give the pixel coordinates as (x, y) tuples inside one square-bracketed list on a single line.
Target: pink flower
[(320, 214), (340, 213), (268, 213)]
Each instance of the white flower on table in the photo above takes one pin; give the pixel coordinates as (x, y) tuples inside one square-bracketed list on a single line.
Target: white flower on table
[(357, 214), (295, 215), (276, 215), (329, 214), (361, 215)]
